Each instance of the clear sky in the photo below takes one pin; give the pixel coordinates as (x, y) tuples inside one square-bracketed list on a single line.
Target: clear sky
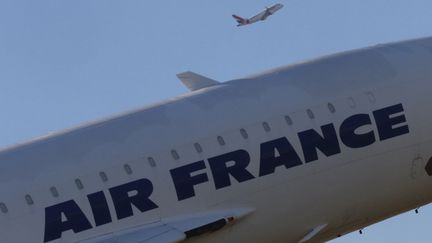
[(63, 63)]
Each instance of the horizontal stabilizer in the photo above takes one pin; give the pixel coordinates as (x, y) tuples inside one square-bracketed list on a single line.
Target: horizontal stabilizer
[(194, 81)]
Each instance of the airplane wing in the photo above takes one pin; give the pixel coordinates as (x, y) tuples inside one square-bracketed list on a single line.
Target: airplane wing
[(157, 232), (273, 9), (267, 12), (174, 229), (260, 16)]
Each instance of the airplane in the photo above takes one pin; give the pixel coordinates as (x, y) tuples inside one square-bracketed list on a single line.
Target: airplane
[(259, 17), (302, 153)]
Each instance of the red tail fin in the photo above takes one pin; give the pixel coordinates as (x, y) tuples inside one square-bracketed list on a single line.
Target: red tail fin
[(239, 19)]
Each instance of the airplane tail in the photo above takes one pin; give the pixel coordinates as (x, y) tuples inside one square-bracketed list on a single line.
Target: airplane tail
[(241, 21)]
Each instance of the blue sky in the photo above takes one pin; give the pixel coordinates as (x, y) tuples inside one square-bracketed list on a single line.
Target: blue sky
[(63, 63)]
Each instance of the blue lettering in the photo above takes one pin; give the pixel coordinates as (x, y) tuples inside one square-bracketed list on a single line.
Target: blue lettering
[(387, 121), (123, 201), (311, 140), (55, 226), (184, 182), (269, 160), (348, 133), (221, 171), (100, 209), (390, 122)]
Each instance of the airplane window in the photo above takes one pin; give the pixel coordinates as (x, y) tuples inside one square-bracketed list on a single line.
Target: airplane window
[(198, 147), (103, 176), (3, 208), (266, 126), (244, 133), (54, 191), (175, 155), (29, 199), (371, 97), (128, 169), (79, 184), (310, 114), (151, 161), (221, 141), (331, 108), (288, 120), (351, 102)]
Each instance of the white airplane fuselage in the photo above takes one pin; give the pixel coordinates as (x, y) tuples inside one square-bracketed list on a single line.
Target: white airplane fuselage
[(271, 10), (340, 142), (261, 16)]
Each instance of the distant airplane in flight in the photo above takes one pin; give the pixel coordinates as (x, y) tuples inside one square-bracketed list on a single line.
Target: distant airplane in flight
[(260, 16)]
